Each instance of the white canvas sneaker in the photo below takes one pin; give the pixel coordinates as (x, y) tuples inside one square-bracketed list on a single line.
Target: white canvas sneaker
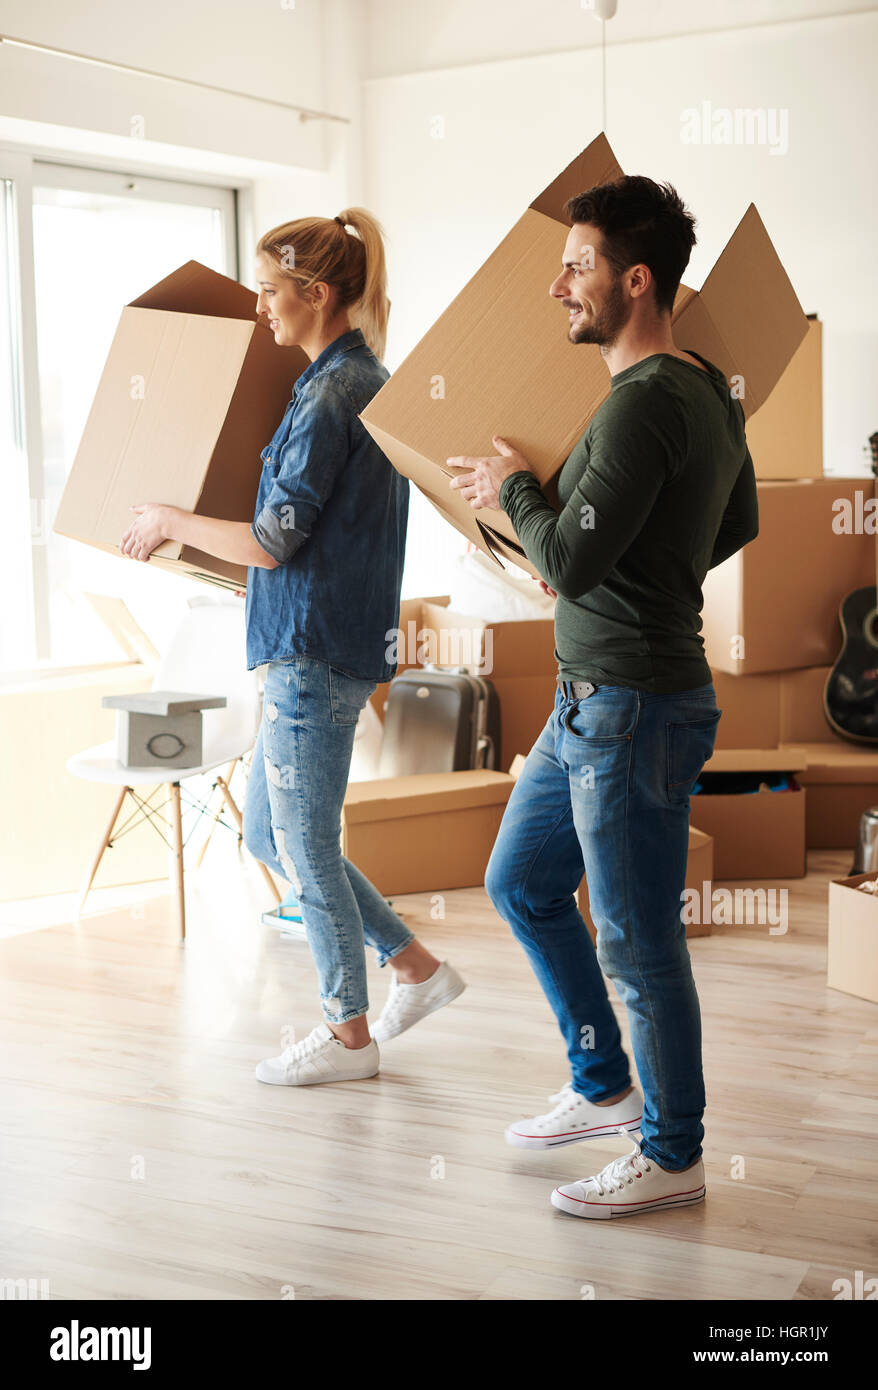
[(319, 1057), (629, 1186), (575, 1118), (407, 1004)]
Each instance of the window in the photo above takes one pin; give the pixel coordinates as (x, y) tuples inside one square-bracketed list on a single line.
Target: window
[(94, 241)]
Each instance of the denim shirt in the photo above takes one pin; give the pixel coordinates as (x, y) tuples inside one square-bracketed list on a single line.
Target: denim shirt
[(332, 510)]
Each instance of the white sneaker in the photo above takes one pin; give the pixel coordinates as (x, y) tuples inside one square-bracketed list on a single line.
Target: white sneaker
[(319, 1057), (575, 1118), (407, 1004), (631, 1185)]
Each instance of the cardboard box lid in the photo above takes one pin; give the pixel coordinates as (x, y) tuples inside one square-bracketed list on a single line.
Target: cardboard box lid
[(395, 798), (163, 702), (784, 758), (498, 357)]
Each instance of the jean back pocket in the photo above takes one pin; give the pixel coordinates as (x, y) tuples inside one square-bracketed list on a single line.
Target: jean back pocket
[(690, 744)]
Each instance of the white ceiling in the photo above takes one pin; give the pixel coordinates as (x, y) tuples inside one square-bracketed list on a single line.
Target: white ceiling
[(408, 36)]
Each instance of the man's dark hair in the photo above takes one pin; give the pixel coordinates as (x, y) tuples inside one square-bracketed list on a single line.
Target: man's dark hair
[(642, 223)]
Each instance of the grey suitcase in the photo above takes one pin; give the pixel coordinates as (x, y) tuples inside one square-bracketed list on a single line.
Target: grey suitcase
[(439, 721)]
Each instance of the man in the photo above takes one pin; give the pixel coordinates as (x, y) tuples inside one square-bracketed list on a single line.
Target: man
[(659, 489)]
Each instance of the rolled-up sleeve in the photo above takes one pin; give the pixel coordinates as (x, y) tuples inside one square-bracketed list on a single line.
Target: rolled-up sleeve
[(311, 461)]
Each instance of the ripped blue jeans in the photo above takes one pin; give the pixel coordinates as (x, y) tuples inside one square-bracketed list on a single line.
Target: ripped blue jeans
[(292, 822)]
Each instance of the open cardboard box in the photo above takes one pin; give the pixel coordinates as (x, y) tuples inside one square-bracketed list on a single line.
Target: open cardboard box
[(756, 834), (774, 710), (427, 833), (498, 359), (192, 391), (518, 657), (773, 606), (852, 942)]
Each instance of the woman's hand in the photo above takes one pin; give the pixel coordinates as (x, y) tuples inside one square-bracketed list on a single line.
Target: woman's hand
[(545, 588), (147, 532), (480, 479)]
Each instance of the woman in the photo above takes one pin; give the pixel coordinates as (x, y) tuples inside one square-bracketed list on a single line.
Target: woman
[(325, 557)]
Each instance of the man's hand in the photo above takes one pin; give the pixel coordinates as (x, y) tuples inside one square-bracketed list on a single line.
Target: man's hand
[(147, 532), (480, 479)]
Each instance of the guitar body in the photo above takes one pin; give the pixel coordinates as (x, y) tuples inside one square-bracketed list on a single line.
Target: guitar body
[(850, 698)]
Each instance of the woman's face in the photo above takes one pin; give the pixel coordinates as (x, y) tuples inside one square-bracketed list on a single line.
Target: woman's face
[(290, 316)]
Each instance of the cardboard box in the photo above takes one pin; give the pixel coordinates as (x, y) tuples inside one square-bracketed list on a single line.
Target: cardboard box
[(773, 606), (801, 715), (759, 834), (192, 391), (424, 834), (750, 710), (786, 434), (852, 941), (699, 870), (786, 709), (842, 782), (517, 656), (498, 358)]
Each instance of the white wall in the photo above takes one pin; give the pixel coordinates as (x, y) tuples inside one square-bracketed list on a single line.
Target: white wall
[(271, 52), (510, 126)]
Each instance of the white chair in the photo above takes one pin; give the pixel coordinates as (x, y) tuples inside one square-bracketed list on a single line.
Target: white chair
[(206, 656)]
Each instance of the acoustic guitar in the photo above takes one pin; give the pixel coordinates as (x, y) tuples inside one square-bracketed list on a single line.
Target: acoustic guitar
[(850, 697)]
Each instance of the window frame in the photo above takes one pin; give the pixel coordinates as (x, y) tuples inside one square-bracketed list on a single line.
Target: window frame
[(27, 172)]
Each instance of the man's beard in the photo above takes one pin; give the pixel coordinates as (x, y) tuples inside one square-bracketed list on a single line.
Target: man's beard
[(606, 325)]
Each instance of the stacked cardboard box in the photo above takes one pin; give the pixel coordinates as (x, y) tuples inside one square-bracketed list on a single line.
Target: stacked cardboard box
[(771, 634)]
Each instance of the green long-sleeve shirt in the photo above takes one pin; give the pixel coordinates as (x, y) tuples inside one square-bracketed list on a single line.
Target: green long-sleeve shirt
[(658, 490)]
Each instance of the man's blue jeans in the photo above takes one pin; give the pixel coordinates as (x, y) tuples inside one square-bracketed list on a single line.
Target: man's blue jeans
[(605, 791), (292, 822)]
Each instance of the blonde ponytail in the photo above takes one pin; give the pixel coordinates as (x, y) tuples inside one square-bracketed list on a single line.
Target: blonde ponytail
[(353, 263)]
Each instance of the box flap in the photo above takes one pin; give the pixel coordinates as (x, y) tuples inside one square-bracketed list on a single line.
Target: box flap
[(785, 758), (746, 318), (594, 165), (195, 289), (117, 617), (393, 798)]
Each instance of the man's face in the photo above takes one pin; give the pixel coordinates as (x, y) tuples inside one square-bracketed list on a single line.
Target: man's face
[(589, 289)]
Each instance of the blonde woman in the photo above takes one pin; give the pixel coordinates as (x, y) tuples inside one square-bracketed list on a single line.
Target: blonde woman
[(325, 555)]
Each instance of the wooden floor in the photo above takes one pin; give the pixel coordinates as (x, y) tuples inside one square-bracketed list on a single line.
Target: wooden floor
[(141, 1159)]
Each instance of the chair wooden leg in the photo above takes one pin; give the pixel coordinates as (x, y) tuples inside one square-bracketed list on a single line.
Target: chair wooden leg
[(177, 866), (96, 862), (230, 772), (230, 802)]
